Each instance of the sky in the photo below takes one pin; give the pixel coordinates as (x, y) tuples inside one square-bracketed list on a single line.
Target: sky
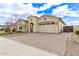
[(69, 12)]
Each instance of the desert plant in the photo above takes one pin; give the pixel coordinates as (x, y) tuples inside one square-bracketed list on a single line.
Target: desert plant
[(77, 32)]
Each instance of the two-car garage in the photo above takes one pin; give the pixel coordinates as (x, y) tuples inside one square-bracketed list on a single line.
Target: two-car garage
[(49, 27)]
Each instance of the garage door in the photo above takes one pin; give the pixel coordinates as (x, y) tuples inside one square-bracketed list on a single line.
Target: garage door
[(51, 28)]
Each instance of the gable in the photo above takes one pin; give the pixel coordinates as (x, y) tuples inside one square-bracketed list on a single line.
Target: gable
[(48, 18), (32, 18)]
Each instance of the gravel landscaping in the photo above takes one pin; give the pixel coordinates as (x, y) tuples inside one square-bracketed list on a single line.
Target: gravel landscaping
[(72, 46)]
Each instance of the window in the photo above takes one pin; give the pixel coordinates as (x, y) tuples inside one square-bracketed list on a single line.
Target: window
[(52, 23), (20, 27)]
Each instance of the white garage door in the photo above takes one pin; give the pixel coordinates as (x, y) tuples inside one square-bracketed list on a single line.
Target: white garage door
[(51, 28)]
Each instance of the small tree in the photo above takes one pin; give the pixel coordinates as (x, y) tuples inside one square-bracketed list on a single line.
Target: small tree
[(7, 30), (9, 24), (14, 30), (7, 27)]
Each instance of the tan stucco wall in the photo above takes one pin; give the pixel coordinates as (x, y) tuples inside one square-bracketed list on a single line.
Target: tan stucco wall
[(54, 19), (61, 25), (75, 28), (47, 28), (23, 24), (33, 19), (52, 28)]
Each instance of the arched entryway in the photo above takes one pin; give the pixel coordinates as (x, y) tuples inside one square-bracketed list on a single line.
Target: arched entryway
[(31, 27)]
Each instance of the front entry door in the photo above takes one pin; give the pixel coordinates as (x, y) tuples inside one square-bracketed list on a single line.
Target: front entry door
[(31, 27)]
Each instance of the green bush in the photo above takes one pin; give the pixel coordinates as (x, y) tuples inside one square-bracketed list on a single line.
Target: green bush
[(11, 33), (77, 32), (19, 31), (14, 30)]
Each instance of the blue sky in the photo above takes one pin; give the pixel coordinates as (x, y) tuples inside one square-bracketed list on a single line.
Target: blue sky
[(69, 12)]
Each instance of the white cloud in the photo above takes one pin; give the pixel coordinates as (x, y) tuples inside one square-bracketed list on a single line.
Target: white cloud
[(64, 11), (39, 1), (34, 10), (46, 6), (5, 15), (38, 15), (28, 1), (13, 1), (30, 9), (75, 22), (27, 9), (8, 10)]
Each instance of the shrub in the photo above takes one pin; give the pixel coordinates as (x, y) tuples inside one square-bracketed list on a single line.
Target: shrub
[(14, 30), (10, 33), (77, 32), (19, 31)]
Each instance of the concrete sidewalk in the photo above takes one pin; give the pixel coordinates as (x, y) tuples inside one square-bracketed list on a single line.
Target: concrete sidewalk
[(12, 48)]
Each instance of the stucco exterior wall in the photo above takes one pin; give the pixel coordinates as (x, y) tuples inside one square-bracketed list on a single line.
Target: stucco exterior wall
[(48, 28), (75, 28), (50, 24), (61, 25), (22, 23), (46, 18), (33, 19)]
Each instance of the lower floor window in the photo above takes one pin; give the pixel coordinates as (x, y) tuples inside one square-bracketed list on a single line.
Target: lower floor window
[(20, 27)]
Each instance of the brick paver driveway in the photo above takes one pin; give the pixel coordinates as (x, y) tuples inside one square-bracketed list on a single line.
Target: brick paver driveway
[(54, 43)]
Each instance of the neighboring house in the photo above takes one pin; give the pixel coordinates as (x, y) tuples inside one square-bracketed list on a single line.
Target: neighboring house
[(10, 26), (75, 28), (22, 25), (2, 27), (46, 24)]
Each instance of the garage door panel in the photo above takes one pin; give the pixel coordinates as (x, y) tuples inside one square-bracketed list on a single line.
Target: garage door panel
[(47, 28)]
